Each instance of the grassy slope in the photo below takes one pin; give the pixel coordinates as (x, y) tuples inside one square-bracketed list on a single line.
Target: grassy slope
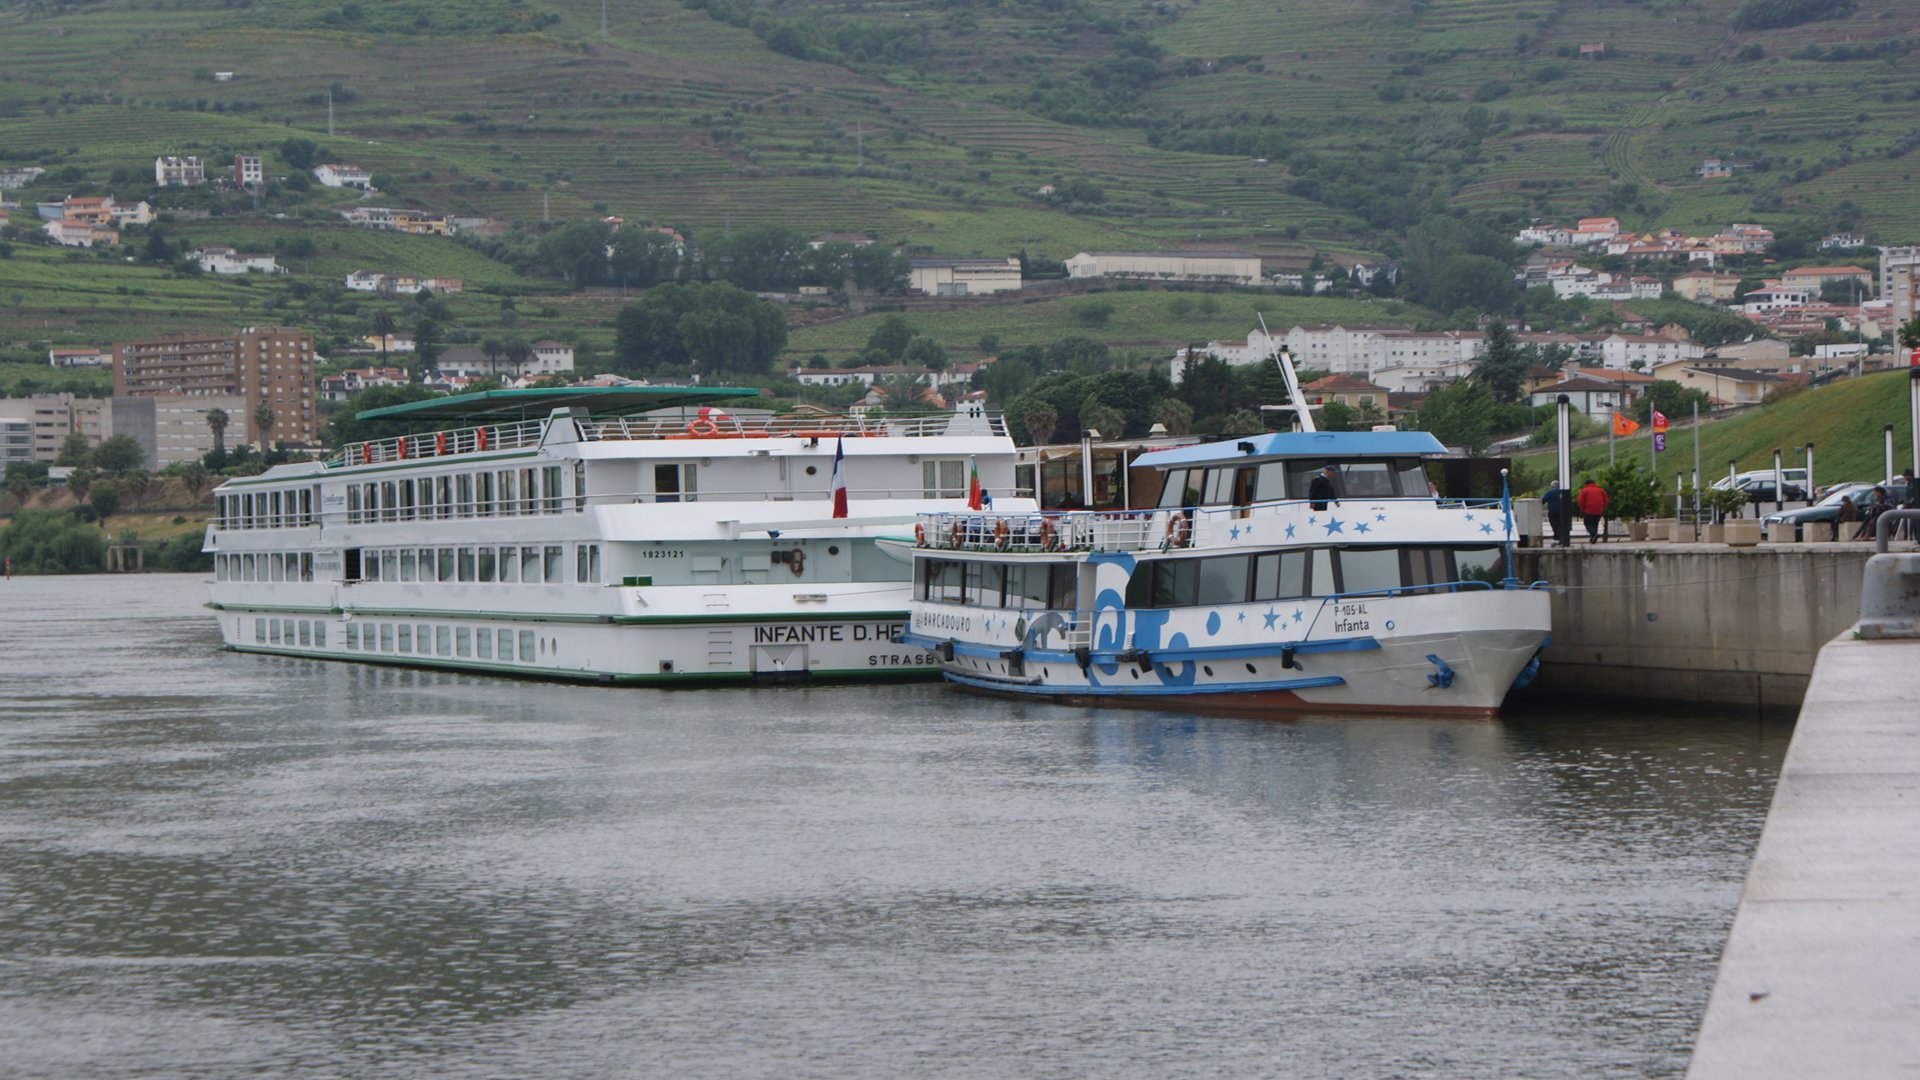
[(1844, 421)]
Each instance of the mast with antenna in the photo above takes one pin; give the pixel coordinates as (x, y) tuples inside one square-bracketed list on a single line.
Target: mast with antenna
[(1296, 402)]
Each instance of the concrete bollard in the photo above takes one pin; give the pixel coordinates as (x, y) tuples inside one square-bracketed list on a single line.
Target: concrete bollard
[(1890, 597), (1743, 532)]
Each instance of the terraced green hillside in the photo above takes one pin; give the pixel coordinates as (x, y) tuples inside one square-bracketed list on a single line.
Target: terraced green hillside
[(1285, 127)]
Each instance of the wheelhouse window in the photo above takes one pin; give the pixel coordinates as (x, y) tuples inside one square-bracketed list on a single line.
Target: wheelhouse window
[(1181, 489)]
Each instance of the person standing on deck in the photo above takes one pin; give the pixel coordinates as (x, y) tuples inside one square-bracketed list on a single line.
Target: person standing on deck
[(1320, 491)]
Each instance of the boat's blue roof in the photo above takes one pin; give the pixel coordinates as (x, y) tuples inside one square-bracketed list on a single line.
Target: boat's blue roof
[(1298, 444)]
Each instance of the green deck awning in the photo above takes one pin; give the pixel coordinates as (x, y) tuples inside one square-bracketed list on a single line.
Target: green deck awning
[(536, 402)]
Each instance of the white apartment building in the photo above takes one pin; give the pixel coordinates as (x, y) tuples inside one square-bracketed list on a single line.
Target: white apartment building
[(225, 260), (342, 174), (1620, 351), (170, 171)]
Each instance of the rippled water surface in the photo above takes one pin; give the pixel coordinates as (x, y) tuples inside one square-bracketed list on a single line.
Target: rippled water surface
[(214, 864)]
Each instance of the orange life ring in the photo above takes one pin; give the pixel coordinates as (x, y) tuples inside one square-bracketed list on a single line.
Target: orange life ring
[(439, 443), (957, 534), (402, 448), (1000, 539), (703, 428), (919, 535), (1048, 538), (1177, 530), (479, 438)]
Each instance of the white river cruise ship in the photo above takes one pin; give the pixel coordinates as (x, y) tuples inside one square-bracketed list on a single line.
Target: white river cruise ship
[(561, 534)]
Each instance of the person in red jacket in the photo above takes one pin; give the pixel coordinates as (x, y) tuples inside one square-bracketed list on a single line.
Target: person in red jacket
[(1592, 501)]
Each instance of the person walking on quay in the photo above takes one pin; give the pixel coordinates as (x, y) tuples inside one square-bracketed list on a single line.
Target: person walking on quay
[(1559, 512), (1592, 501), (1320, 490)]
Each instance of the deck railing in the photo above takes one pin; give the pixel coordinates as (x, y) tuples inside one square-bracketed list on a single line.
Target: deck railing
[(1125, 530), (513, 435)]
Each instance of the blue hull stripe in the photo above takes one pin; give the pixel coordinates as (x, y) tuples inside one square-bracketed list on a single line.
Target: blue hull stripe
[(1039, 690), (1158, 656)]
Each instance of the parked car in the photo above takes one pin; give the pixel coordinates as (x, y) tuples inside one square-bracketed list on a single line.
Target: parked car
[(1759, 489), (1823, 514), (1791, 477)]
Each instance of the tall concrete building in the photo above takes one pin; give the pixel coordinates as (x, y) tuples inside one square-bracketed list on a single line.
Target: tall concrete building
[(47, 419), (171, 428), (260, 364)]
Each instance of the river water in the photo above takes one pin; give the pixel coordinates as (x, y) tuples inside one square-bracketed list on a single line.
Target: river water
[(214, 864)]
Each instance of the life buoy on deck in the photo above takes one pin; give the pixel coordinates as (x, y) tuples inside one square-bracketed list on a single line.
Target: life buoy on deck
[(402, 448), (1049, 539), (957, 535), (479, 438), (797, 561), (919, 535), (703, 428), (1177, 530), (439, 443), (1000, 539)]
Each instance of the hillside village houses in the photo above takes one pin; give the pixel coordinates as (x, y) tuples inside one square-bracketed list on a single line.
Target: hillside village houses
[(15, 177), (69, 232), (414, 222), (170, 171), (96, 210), (217, 259), (352, 381), (248, 170), (343, 175), (372, 281)]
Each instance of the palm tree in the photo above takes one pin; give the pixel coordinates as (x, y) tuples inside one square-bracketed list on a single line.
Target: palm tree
[(263, 419), (517, 353), (1174, 415), (493, 347), (900, 390), (384, 326), (1040, 421), (217, 419)]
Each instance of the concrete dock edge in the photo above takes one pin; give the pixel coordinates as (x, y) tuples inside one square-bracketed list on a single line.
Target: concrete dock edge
[(1821, 972)]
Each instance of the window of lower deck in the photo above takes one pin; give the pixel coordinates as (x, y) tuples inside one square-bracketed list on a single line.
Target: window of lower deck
[(1487, 564), (482, 643), (1369, 569)]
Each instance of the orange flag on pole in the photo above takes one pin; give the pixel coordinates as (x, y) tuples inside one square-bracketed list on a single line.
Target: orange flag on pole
[(1623, 427)]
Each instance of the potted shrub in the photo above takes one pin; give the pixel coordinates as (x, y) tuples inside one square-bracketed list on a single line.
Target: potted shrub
[(1632, 496), (1725, 506)]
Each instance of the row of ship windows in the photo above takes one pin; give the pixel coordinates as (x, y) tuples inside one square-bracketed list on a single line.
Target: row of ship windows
[(1226, 579), (264, 566), (532, 564), (284, 508), (406, 639), (484, 494)]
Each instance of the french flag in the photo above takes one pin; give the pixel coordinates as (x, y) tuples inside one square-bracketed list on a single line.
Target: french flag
[(840, 478)]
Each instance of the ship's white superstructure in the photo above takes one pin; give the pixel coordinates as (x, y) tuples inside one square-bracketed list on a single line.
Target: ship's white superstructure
[(586, 542)]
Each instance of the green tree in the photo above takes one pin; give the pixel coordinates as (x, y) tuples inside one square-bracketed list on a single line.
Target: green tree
[(21, 489), (1335, 416), (51, 542), (1005, 379), (892, 336), (384, 324), (577, 252), (1633, 492), (1504, 366), (118, 454), (104, 499), (927, 353), (193, 476), (491, 348), (1040, 421), (1910, 333), (1460, 415), (1110, 422), (1174, 415), (518, 352), (75, 450), (763, 257), (713, 327), (1672, 399), (1093, 312), (427, 347), (901, 391), (81, 481), (345, 426), (645, 258), (301, 154)]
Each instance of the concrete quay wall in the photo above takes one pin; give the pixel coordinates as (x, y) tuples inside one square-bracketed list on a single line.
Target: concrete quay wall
[(1700, 623), (1821, 973)]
